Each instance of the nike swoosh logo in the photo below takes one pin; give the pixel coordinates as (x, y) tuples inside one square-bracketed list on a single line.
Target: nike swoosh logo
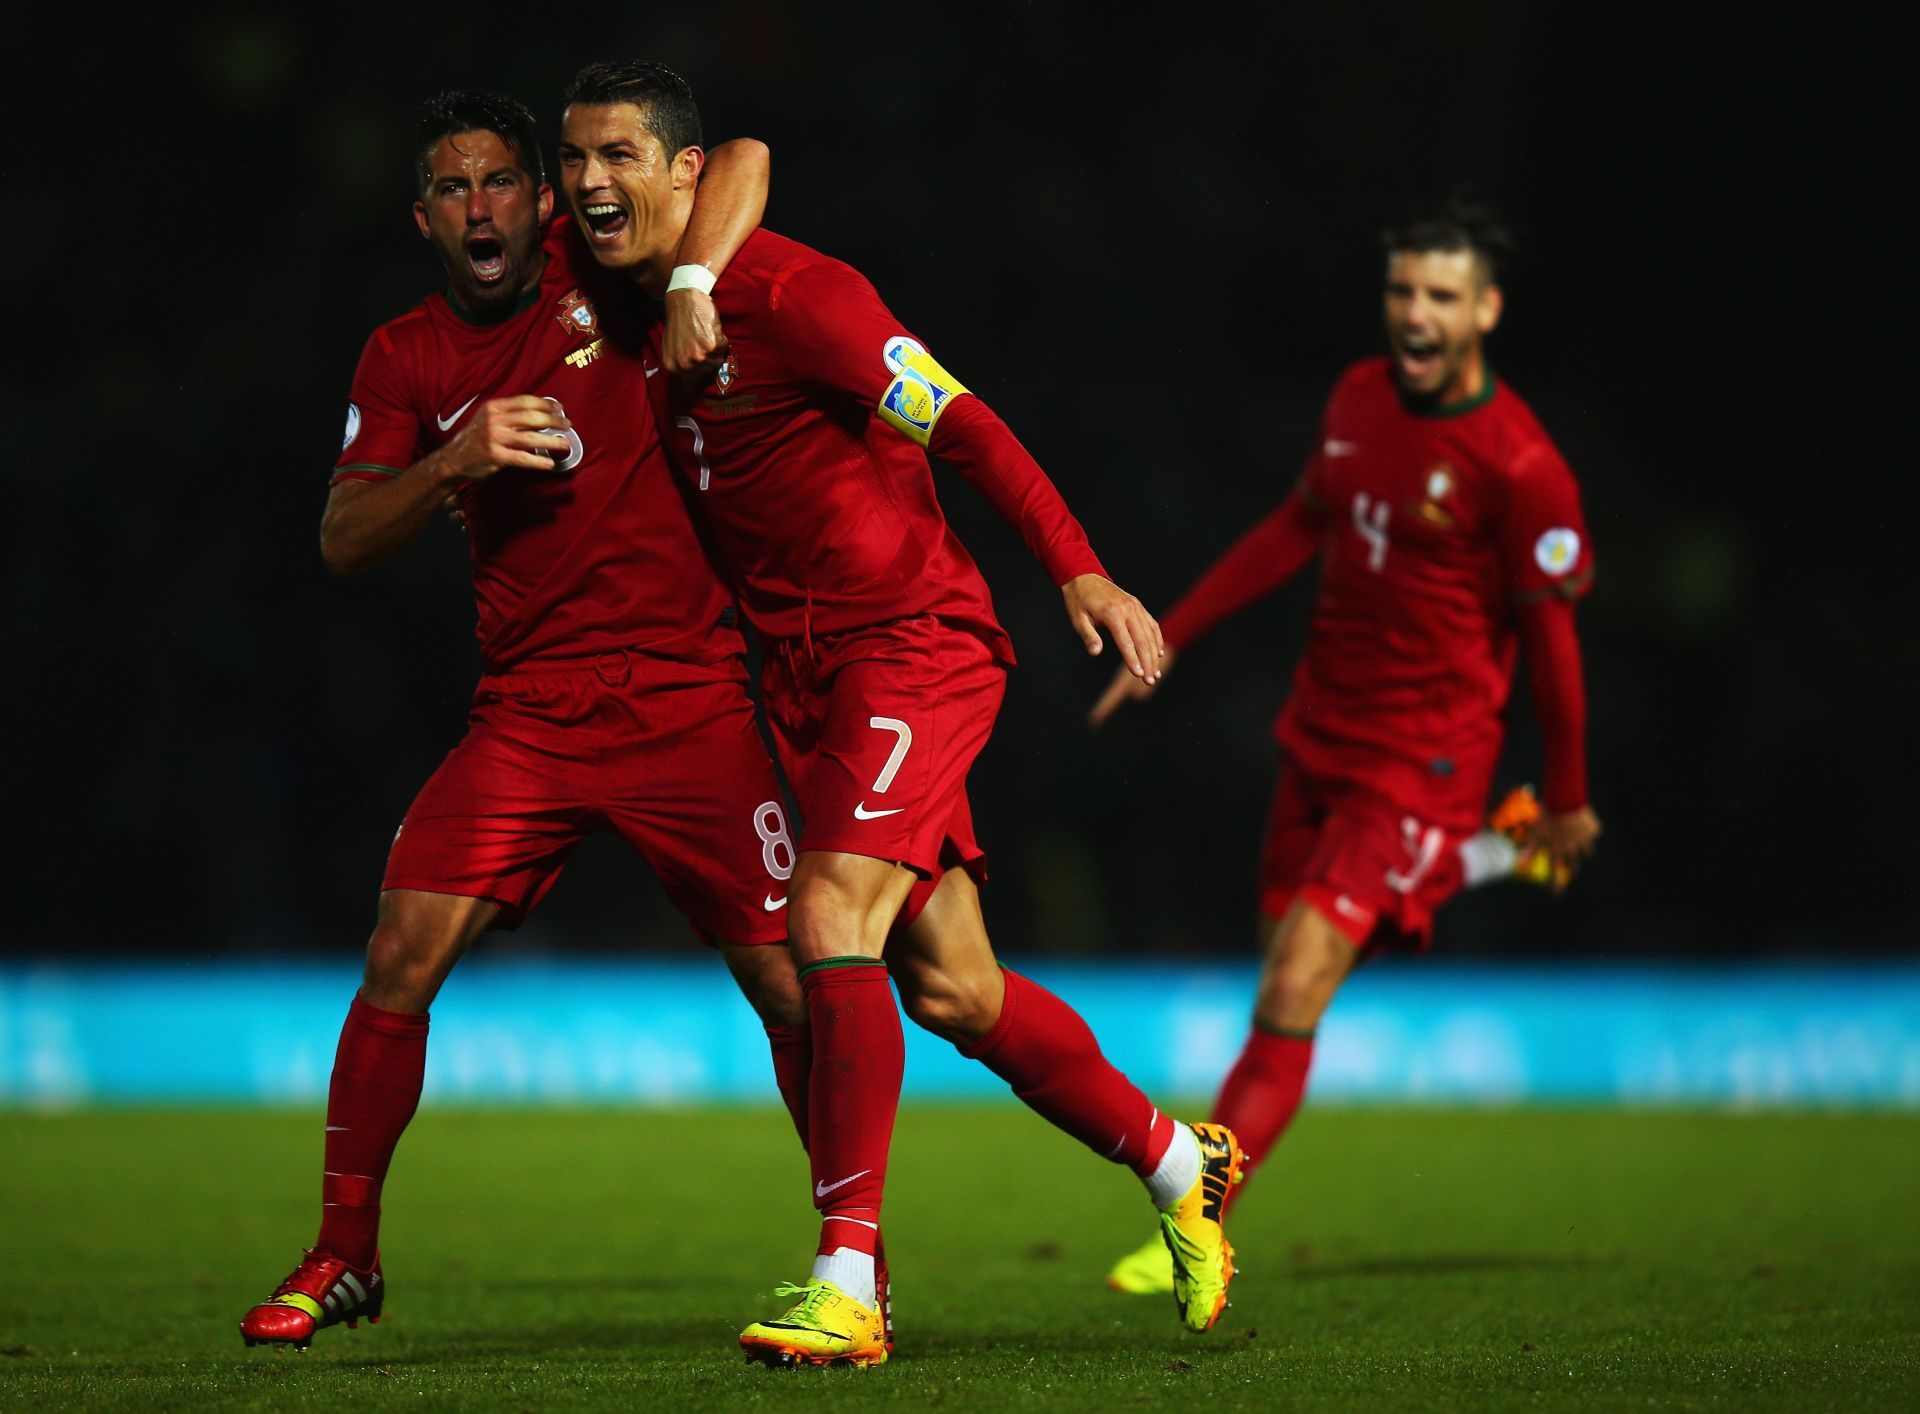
[(860, 812), (336, 1129), (1336, 448), (773, 903), (1349, 907), (446, 422), (652, 371), (821, 1190)]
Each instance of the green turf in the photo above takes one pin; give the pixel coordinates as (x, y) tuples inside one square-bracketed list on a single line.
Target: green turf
[(607, 1259)]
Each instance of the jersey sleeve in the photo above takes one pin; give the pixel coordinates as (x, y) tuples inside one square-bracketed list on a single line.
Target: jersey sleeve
[(383, 436), (1544, 545), (1262, 560), (838, 335)]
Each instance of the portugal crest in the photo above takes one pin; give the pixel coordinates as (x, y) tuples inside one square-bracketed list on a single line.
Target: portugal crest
[(576, 315), (728, 375)]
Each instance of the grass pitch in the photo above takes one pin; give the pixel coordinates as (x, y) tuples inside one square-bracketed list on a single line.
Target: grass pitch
[(591, 1259)]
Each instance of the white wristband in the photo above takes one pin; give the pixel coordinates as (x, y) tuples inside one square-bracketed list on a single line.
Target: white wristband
[(691, 277)]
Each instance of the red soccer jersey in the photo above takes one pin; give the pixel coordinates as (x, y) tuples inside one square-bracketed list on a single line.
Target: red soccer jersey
[(822, 514), (1435, 524), (1431, 528), (596, 556)]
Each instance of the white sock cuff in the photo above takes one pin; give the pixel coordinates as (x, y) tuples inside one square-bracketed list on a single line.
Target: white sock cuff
[(1486, 857), (849, 1269), (1178, 1169)]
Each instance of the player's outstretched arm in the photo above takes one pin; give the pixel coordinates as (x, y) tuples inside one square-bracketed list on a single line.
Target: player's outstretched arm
[(1569, 829), (368, 522), (1262, 560), (1126, 688), (731, 200)]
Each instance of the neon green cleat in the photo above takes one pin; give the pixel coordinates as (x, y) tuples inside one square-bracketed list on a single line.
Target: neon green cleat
[(1195, 1235), (1146, 1272), (824, 1327)]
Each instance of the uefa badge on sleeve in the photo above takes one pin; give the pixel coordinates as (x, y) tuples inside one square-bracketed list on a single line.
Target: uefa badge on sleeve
[(353, 426), (1557, 551)]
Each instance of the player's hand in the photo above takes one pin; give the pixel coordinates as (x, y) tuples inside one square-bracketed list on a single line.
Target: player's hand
[(1569, 838), (522, 431), (694, 342), (1125, 688), (1095, 602)]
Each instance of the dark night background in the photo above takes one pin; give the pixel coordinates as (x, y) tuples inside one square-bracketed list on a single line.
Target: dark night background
[(1149, 244)]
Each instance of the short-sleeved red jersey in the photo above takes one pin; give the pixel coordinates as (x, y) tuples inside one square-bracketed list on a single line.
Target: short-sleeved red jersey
[(822, 515), (1434, 525), (596, 556)]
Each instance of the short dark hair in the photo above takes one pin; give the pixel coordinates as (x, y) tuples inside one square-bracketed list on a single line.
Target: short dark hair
[(453, 111), (664, 98), (1454, 225)]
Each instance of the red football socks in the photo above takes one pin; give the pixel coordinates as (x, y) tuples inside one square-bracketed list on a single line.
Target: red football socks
[(792, 1048), (1261, 1094), (377, 1072), (853, 1093), (1042, 1048)]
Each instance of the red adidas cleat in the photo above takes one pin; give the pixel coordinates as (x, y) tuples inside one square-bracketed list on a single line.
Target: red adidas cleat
[(322, 1291)]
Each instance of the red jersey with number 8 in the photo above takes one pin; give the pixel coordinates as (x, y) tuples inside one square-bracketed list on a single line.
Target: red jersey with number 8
[(595, 556)]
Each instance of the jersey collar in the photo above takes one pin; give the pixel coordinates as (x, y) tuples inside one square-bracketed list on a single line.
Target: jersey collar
[(1459, 409), (527, 300)]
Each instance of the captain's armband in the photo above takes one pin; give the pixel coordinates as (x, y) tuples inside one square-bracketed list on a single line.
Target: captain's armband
[(920, 390)]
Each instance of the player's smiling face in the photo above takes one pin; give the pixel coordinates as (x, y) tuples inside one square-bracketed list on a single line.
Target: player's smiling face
[(483, 212), (630, 196), (1439, 306)]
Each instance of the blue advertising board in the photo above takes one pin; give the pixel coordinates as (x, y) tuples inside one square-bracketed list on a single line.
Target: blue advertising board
[(570, 1031)]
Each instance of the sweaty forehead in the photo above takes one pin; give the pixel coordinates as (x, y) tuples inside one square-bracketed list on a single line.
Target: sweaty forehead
[(599, 124), (471, 153), (1437, 269)]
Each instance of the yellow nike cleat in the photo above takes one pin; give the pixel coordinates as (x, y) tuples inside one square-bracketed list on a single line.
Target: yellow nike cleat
[(1146, 1272), (1195, 1235), (824, 1327), (1515, 816)]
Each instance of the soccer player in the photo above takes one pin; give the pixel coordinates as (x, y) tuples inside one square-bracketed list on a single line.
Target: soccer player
[(614, 695), (1448, 529), (884, 669)]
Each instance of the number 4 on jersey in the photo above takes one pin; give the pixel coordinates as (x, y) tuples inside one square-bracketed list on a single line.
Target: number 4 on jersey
[(1370, 519)]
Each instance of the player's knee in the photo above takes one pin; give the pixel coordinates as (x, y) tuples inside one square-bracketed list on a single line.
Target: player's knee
[(407, 961), (829, 915), (1295, 1002), (1299, 983)]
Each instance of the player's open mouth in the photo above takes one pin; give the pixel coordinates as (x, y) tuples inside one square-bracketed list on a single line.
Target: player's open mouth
[(1419, 358), (605, 220), (488, 257)]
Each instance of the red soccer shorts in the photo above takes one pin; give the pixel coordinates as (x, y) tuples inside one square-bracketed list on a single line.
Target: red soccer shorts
[(1357, 858), (666, 754), (877, 729)]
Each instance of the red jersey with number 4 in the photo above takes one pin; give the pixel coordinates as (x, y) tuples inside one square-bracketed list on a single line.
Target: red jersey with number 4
[(1434, 525), (822, 514), (596, 555)]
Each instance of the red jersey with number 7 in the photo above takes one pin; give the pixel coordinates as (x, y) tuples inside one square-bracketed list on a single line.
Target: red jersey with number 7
[(804, 457), (600, 553)]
